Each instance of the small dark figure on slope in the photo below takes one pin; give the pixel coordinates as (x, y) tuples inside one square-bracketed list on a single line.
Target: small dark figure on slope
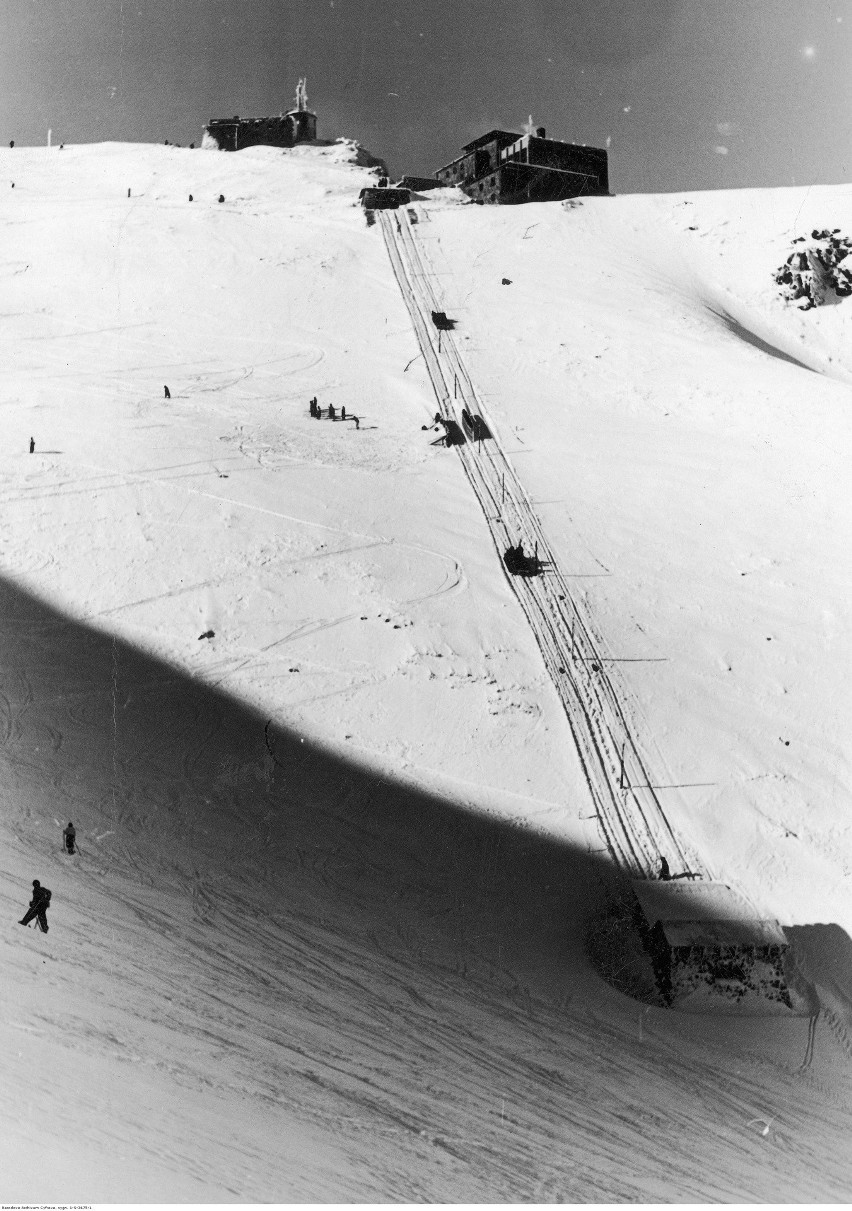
[(38, 907)]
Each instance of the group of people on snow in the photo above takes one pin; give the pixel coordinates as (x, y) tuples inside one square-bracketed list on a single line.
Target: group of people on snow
[(331, 412)]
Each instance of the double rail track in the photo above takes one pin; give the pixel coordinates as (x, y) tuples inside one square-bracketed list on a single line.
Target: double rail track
[(631, 817)]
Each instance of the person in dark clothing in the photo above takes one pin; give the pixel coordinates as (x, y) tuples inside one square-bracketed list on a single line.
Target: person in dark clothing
[(69, 835), (357, 422), (664, 869), (343, 412), (168, 393), (32, 445), (332, 415), (38, 906)]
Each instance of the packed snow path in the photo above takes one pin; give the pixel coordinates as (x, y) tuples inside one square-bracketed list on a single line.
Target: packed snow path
[(632, 820)]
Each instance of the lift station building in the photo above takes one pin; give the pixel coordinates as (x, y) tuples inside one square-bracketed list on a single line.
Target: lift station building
[(503, 167)]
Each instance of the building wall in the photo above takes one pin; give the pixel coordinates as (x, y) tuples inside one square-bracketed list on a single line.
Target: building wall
[(532, 183), (587, 161), (733, 974)]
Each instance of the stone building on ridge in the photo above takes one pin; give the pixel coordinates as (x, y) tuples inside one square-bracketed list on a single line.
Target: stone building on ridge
[(298, 125), (506, 168)]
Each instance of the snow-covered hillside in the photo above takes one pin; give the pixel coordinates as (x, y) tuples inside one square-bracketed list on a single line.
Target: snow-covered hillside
[(271, 668)]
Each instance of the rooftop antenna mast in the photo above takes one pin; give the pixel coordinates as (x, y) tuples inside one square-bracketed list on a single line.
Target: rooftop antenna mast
[(302, 94)]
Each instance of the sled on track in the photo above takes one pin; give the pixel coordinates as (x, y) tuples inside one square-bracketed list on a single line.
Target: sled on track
[(519, 564), (474, 426)]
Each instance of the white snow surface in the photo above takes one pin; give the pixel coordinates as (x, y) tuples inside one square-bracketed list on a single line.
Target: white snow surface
[(305, 952)]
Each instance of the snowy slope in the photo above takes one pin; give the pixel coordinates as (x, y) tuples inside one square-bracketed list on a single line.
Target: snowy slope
[(301, 954), (693, 480)]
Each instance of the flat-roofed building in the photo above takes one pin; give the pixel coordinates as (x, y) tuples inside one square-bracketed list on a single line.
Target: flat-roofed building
[(298, 125), (709, 944)]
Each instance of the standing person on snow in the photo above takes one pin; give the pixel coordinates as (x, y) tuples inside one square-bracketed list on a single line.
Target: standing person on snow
[(38, 906), (168, 393), (68, 836)]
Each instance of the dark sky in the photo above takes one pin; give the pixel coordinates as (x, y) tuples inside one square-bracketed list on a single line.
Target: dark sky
[(693, 94)]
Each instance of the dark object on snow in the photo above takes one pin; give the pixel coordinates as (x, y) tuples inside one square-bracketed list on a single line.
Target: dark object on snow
[(32, 445), (519, 564), (373, 198), (69, 836), (207, 635), (664, 869), (128, 193), (332, 415), (38, 907), (383, 183), (221, 197), (474, 426), (11, 142), (343, 412), (168, 393), (191, 198), (506, 282), (442, 321), (453, 435), (192, 146), (357, 422), (819, 273)]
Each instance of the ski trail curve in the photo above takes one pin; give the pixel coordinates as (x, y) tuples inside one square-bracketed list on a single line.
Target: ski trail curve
[(631, 818)]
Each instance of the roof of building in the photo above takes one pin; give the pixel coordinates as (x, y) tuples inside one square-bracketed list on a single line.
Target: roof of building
[(509, 135), (715, 935), (708, 914)]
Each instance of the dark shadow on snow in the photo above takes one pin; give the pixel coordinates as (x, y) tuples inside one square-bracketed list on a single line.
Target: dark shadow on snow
[(745, 334), (162, 773)]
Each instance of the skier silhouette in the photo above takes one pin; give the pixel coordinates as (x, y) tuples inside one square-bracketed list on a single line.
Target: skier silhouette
[(38, 906), (68, 836), (32, 445), (168, 393)]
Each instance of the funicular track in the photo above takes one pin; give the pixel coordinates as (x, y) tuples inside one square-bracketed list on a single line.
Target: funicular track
[(631, 818)]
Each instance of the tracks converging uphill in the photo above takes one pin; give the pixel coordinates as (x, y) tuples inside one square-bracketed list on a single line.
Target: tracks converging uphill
[(631, 818)]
